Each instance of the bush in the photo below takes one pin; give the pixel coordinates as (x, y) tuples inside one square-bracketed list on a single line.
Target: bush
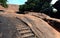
[(4, 3)]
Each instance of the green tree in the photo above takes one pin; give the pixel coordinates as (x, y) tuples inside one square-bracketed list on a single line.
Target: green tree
[(36, 5), (3, 3)]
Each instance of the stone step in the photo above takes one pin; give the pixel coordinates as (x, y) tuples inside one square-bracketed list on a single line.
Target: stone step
[(25, 31), (24, 28), (21, 26), (28, 35)]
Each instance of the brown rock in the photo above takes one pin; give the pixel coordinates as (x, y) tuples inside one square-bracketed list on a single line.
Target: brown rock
[(11, 25), (11, 8)]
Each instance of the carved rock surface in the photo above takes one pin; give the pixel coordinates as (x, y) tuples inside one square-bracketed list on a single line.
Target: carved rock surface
[(25, 26)]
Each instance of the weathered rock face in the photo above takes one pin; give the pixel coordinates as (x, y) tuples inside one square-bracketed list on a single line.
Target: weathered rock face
[(11, 8), (7, 28), (25, 26), (54, 22)]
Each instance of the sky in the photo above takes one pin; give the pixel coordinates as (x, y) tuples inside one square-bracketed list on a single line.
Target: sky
[(20, 2)]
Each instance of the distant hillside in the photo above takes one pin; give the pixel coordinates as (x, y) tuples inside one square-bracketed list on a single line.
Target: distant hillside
[(11, 8)]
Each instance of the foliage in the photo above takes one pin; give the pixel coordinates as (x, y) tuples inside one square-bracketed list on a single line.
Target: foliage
[(35, 5), (3, 3)]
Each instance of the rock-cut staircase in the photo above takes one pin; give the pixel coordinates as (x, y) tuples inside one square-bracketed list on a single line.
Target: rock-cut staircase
[(25, 31)]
